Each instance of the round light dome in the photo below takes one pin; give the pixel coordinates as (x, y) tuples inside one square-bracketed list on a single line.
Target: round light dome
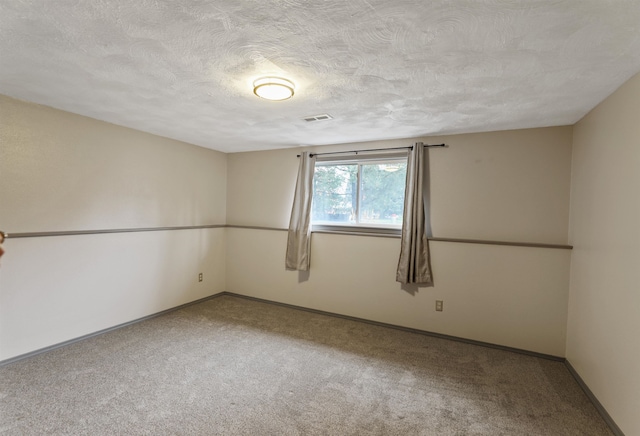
[(273, 88)]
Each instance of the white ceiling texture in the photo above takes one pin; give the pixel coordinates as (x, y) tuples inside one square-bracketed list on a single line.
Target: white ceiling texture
[(382, 68)]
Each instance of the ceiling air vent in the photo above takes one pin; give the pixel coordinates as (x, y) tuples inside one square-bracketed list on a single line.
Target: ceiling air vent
[(321, 117)]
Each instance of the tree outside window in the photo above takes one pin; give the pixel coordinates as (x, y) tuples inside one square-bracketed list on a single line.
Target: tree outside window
[(359, 193)]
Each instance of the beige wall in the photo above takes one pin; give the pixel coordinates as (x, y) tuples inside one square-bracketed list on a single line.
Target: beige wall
[(604, 305), (511, 186), (515, 297), (60, 171), (66, 172), (55, 289)]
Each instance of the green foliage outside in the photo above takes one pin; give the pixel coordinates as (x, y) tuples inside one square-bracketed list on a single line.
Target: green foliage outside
[(381, 193), (334, 191)]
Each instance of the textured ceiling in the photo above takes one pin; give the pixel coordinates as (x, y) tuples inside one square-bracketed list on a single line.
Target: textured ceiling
[(382, 68)]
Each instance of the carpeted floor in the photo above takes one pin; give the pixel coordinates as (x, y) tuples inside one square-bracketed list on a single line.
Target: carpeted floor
[(232, 366)]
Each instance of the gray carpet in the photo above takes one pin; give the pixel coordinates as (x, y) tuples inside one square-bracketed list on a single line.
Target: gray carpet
[(232, 366)]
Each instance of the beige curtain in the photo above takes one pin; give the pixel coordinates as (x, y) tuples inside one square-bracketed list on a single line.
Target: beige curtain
[(299, 239), (414, 265)]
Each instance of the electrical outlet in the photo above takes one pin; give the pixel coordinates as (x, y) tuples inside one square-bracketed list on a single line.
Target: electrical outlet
[(200, 277), (438, 305)]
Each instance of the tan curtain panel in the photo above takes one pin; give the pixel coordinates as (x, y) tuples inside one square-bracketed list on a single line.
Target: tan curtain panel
[(299, 238), (414, 265)]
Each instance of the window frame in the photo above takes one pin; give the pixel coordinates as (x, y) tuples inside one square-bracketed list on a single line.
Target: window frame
[(360, 228)]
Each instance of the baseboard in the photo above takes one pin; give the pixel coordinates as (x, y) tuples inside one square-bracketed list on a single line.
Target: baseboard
[(291, 306), (594, 400), (101, 332), (599, 407), (406, 329)]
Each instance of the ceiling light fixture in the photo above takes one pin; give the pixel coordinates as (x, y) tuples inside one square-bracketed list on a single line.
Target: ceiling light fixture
[(273, 88)]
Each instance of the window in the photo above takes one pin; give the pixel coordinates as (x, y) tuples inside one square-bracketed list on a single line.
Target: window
[(367, 192)]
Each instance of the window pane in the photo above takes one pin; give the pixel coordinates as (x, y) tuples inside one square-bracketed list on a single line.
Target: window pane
[(382, 193), (334, 191)]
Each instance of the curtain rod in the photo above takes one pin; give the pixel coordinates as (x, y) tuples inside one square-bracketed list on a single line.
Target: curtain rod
[(377, 149)]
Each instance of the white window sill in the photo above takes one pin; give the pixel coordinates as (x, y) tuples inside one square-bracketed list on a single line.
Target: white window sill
[(387, 232)]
